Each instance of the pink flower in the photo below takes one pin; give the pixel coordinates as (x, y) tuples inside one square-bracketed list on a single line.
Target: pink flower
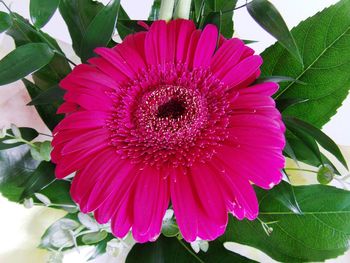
[(167, 116)]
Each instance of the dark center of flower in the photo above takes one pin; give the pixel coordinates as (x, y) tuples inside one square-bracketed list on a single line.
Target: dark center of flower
[(174, 108)]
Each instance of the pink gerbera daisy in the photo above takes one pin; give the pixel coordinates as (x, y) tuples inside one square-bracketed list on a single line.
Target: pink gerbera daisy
[(169, 116)]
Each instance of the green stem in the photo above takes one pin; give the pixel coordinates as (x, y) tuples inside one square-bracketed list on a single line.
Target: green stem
[(166, 9), (182, 9), (8, 9), (190, 251), (298, 169)]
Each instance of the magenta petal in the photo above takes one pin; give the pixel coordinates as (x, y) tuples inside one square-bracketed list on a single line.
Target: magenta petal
[(206, 47), (242, 71)]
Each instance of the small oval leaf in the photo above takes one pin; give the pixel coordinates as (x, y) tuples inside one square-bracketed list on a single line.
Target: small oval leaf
[(23, 61), (42, 11), (268, 17), (93, 238)]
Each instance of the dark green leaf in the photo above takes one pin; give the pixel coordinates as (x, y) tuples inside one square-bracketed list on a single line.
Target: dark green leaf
[(284, 104), (324, 42), (49, 96), (5, 21), (321, 232), (16, 168), (47, 112), (78, 15), (172, 250), (42, 11), (326, 142), (23, 33), (58, 193), (198, 6), (27, 133), (126, 27), (308, 141), (268, 17), (23, 61), (277, 79), (214, 18), (43, 176), (154, 14), (224, 6), (100, 30), (303, 154)]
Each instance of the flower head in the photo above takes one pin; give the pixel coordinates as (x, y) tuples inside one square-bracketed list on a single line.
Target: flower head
[(169, 115)]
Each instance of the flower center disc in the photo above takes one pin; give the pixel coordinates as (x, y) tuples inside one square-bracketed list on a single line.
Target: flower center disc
[(171, 114)]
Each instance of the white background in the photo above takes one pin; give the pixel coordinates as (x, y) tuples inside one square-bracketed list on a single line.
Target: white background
[(19, 223)]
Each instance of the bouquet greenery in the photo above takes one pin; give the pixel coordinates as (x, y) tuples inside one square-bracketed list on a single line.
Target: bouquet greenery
[(171, 136)]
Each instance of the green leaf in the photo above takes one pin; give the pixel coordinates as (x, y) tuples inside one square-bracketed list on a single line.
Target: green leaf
[(303, 154), (23, 61), (268, 17), (324, 43), (173, 250), (100, 30), (101, 247), (46, 112), (16, 167), (214, 18), (27, 133), (42, 11), (277, 79), (23, 33), (326, 142), (93, 238), (52, 95), (308, 141), (154, 14), (42, 177), (126, 27), (225, 7), (284, 104), (321, 232), (78, 15), (5, 21), (58, 193)]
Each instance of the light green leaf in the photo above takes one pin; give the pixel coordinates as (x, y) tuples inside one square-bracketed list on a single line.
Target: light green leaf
[(42, 11), (5, 21), (23, 61), (60, 231), (324, 43), (93, 238), (100, 30), (268, 17), (42, 198), (321, 232), (27, 133)]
